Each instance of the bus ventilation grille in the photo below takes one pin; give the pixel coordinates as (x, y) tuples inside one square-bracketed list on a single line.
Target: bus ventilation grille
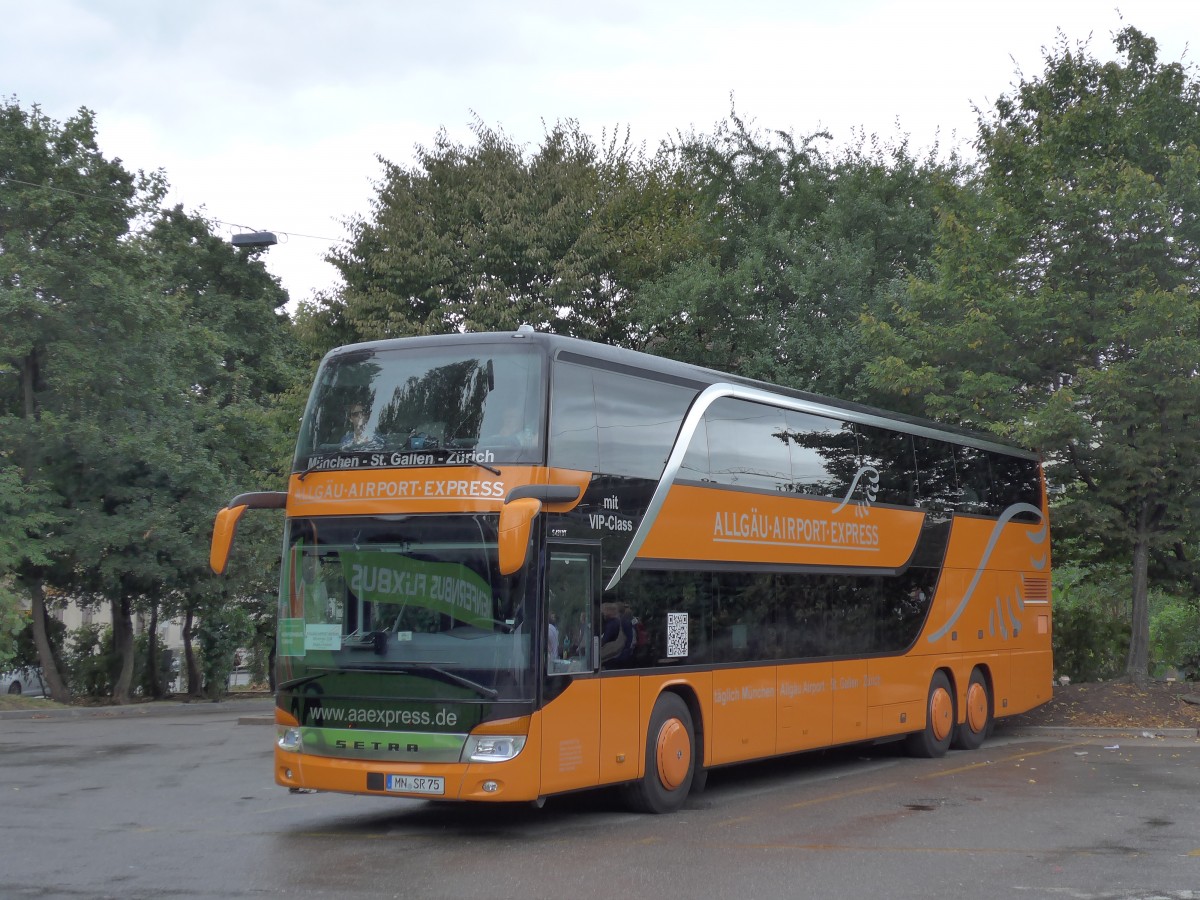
[(1037, 590)]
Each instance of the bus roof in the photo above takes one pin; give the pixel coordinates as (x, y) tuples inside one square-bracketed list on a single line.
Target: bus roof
[(620, 358)]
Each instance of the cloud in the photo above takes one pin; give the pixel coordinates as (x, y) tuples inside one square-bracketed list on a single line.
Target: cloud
[(271, 113)]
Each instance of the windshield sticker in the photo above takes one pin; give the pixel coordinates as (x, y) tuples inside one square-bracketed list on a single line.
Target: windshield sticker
[(291, 637), (322, 637)]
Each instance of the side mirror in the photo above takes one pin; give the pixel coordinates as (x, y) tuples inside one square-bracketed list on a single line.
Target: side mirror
[(227, 520), (516, 517), (224, 529)]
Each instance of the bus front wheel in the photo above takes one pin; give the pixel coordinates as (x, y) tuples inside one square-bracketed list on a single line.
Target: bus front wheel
[(934, 740), (670, 758)]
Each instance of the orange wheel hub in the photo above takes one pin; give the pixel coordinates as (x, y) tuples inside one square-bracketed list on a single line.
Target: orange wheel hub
[(941, 713), (674, 753), (977, 707)]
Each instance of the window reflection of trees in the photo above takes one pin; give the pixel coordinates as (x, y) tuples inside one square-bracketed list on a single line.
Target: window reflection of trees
[(824, 454), (937, 478), (753, 617), (445, 405), (744, 444), (345, 383)]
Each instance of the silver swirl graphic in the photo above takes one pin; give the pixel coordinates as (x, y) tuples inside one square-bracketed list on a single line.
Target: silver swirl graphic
[(870, 492), (1038, 538)]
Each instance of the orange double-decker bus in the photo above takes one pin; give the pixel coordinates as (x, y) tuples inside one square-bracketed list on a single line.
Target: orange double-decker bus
[(517, 565)]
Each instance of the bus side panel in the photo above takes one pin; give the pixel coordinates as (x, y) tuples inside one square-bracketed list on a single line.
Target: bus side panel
[(1031, 681), (897, 679), (981, 599), (805, 707), (622, 738), (849, 700), (744, 706), (897, 688), (1000, 667), (570, 749)]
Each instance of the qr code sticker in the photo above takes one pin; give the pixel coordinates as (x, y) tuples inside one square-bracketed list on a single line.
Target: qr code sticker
[(677, 635)]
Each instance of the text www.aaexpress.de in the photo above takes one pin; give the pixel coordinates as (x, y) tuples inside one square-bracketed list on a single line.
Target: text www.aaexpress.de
[(383, 717)]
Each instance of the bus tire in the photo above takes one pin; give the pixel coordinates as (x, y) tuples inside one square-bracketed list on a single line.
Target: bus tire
[(971, 734), (670, 759), (934, 739)]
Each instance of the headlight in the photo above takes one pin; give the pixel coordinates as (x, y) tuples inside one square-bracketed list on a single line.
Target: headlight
[(492, 747), (289, 740)]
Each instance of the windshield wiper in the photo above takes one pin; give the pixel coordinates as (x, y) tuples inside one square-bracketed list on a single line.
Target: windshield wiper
[(296, 682), (488, 692), (454, 677)]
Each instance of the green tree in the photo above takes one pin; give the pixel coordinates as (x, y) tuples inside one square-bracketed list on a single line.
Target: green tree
[(26, 515), (483, 237), (147, 355), (73, 320), (793, 244), (233, 426), (1065, 311)]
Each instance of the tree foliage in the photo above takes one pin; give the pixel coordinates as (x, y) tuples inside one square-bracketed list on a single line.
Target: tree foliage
[(484, 237), (794, 244), (72, 316), (1047, 293), (1065, 309), (144, 353)]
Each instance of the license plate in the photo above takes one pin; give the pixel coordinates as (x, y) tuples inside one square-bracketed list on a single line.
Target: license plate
[(416, 784)]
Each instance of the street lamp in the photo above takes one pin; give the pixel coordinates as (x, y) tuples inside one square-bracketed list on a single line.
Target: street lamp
[(255, 240)]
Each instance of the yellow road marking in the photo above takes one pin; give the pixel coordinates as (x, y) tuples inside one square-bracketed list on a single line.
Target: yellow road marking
[(841, 795), (739, 820), (1003, 759)]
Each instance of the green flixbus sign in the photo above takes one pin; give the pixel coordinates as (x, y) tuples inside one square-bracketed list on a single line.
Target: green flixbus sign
[(447, 588)]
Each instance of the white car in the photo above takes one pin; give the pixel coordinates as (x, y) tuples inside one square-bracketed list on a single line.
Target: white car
[(26, 681)]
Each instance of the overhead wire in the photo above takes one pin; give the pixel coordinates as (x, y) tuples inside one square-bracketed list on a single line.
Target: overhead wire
[(227, 224)]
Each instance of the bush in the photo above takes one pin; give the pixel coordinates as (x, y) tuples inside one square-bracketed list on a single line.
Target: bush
[(142, 678), (222, 631), (1174, 635), (1091, 622), (90, 661)]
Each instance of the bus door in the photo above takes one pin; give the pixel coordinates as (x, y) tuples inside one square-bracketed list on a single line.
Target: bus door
[(571, 714)]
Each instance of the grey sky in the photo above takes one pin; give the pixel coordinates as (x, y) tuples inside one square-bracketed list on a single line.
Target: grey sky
[(270, 113)]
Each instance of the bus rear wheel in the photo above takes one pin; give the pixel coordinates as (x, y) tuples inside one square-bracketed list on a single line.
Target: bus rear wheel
[(971, 733), (670, 759), (934, 740)]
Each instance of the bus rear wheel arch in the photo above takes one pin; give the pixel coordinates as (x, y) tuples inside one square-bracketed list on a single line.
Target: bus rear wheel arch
[(977, 725), (671, 758), (940, 712)]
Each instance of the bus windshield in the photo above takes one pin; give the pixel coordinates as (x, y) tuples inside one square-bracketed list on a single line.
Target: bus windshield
[(438, 405), (419, 595)]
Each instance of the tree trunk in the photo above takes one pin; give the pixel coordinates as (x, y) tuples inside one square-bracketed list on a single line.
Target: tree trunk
[(155, 682), (194, 687), (41, 637), (1137, 667), (122, 619), (51, 675)]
